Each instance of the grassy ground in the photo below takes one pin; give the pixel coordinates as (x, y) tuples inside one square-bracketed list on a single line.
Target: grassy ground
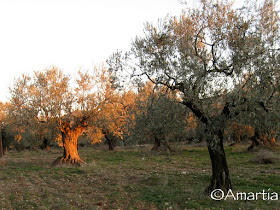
[(130, 179)]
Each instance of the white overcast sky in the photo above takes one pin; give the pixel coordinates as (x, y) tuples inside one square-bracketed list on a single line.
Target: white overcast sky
[(70, 34)]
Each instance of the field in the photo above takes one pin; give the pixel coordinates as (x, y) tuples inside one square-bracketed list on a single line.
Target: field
[(131, 178)]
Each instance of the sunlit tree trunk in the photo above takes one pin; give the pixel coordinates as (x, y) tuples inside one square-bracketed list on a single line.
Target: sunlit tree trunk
[(70, 134)]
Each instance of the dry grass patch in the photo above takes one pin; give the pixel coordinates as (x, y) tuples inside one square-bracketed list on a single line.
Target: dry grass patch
[(265, 156)]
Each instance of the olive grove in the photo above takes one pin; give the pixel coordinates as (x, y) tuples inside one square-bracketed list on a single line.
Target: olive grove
[(223, 61)]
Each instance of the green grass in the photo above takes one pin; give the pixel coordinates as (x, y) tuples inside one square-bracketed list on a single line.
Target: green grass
[(130, 179)]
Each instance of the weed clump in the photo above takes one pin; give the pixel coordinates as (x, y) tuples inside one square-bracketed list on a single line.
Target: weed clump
[(264, 156)]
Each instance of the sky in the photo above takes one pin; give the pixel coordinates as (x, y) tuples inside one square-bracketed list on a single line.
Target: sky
[(69, 34)]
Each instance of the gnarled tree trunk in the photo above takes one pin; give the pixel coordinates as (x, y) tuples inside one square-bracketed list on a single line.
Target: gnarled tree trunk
[(263, 141), (111, 145), (70, 133), (45, 144), (110, 139), (220, 171), (157, 144)]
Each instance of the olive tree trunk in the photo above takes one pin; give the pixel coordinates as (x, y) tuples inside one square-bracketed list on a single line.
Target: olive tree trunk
[(45, 144), (263, 141), (220, 172), (111, 143), (157, 144), (70, 135), (110, 139), (161, 143)]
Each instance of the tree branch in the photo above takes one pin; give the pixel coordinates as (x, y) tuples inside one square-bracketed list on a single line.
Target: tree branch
[(198, 113)]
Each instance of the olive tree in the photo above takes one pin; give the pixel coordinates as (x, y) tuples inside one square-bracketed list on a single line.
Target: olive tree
[(46, 105), (113, 117), (205, 54), (158, 118)]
